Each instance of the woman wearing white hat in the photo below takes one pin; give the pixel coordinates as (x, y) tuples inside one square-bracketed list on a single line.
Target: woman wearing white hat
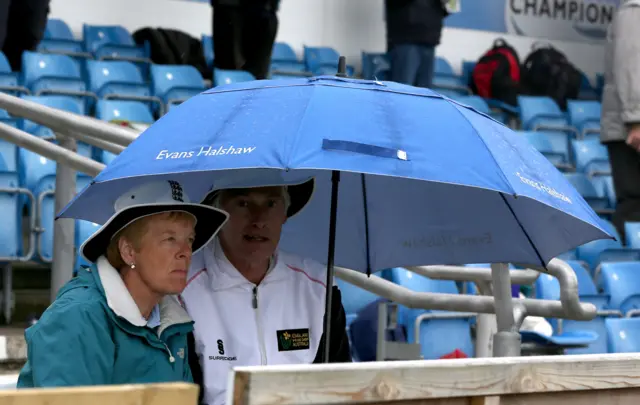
[(119, 321)]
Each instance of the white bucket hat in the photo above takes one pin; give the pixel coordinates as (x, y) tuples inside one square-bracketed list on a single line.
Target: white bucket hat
[(154, 198)]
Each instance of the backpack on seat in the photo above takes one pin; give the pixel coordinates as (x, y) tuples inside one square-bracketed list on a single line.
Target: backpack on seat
[(548, 72), (496, 75)]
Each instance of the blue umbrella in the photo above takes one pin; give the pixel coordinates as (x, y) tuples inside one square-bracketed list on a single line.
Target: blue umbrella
[(404, 176)]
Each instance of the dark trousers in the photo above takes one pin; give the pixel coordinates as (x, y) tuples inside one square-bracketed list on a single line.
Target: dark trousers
[(412, 64), (22, 26), (243, 39), (625, 167)]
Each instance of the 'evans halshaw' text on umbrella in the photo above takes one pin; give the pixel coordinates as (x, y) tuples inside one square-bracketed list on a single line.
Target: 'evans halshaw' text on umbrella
[(205, 151)]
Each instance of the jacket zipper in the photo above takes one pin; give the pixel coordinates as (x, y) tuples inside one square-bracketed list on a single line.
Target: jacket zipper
[(263, 352), (171, 358)]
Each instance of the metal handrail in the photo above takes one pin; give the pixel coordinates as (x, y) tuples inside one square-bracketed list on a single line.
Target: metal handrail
[(462, 273)]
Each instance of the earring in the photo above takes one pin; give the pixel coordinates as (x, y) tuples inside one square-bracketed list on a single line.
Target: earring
[(133, 266)]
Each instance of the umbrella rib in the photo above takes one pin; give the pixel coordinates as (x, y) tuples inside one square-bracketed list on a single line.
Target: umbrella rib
[(526, 234), (366, 222)]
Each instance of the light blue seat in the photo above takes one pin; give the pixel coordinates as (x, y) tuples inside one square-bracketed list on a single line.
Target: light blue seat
[(354, 299), (446, 82), (604, 187), (44, 73), (443, 333), (174, 84), (540, 112), (123, 110), (623, 335), (548, 287), (632, 234), (284, 61), (588, 191), (222, 76), (606, 250), (10, 203), (9, 79), (5, 118), (585, 116), (322, 60), (621, 281), (65, 103), (120, 80), (557, 152), (591, 157), (58, 38), (375, 66), (113, 42)]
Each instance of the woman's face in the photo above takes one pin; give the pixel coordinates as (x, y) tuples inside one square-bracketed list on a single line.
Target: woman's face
[(164, 252)]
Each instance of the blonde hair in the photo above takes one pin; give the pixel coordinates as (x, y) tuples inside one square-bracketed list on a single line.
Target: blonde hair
[(134, 232)]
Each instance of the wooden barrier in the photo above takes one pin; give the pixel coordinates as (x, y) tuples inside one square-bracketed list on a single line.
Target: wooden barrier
[(145, 394), (568, 380)]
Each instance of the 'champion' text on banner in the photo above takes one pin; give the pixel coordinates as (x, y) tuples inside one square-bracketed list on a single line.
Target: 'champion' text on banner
[(205, 151)]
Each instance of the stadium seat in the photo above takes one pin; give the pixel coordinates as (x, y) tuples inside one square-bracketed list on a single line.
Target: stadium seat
[(584, 116), (207, 50), (591, 157), (548, 287), (632, 234), (112, 42), (467, 70), (123, 111), (285, 62), (586, 188), (605, 250), (623, 335), (66, 103), (557, 153), (174, 84), (10, 203), (354, 299), (375, 66), (58, 38), (621, 281), (53, 74), (446, 82), (542, 113), (5, 118), (446, 331), (120, 80), (586, 91), (9, 79), (221, 76), (323, 60), (604, 187)]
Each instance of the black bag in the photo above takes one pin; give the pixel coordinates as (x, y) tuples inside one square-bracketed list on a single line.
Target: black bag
[(173, 47), (496, 75), (548, 72)]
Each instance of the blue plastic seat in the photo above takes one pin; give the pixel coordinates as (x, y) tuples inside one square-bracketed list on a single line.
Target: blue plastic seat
[(632, 234), (354, 299), (123, 111), (10, 203), (112, 42), (7, 119), (221, 76), (584, 116), (207, 50), (591, 157), (375, 66), (621, 280), (556, 152), (446, 331), (548, 287), (53, 74), (542, 113), (174, 84), (475, 102), (58, 38), (9, 79), (446, 82), (66, 103), (586, 188), (623, 335), (323, 60), (595, 326), (602, 250), (285, 62), (604, 187)]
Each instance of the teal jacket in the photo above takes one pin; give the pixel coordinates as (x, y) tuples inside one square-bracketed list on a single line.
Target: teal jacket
[(79, 340)]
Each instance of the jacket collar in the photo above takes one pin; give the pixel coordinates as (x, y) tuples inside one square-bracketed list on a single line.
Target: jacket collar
[(122, 304), (224, 275)]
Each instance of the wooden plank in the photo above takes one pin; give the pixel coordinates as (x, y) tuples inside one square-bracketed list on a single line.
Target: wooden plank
[(143, 394), (624, 396), (377, 382)]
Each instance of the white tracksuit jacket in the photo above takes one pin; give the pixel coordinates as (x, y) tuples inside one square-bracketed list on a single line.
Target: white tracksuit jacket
[(279, 321)]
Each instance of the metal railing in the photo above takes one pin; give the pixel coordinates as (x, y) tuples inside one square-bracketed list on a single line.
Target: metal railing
[(510, 312)]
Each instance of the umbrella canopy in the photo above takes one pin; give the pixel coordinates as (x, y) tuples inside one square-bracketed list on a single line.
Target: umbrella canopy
[(424, 180)]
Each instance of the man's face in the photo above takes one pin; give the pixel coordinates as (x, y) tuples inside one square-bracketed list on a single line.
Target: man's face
[(256, 216)]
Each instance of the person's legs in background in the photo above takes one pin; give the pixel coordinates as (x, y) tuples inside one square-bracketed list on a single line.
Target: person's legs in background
[(427, 66), (405, 62), (26, 22), (625, 168), (227, 37), (260, 30)]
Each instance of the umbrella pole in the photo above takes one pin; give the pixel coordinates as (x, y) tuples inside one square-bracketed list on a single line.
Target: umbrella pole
[(506, 342), (335, 180)]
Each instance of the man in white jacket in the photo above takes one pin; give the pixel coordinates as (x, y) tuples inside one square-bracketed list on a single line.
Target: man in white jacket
[(252, 303)]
